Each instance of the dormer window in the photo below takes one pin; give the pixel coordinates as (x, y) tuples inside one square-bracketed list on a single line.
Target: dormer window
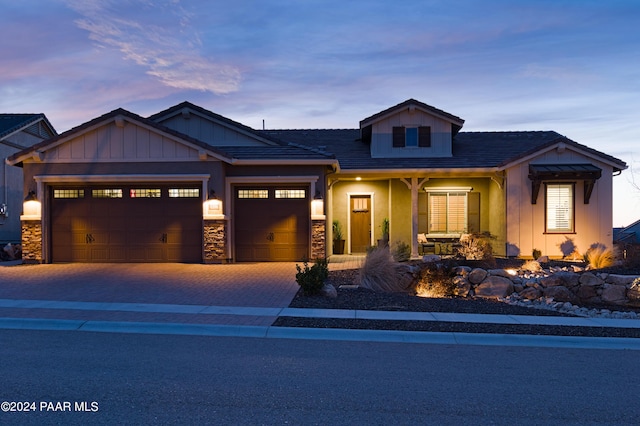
[(416, 136)]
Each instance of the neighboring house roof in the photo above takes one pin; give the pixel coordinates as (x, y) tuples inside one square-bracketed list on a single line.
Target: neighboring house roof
[(12, 123), (629, 234), (471, 150)]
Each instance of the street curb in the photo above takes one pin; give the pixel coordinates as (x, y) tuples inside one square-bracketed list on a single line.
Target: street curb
[(271, 332)]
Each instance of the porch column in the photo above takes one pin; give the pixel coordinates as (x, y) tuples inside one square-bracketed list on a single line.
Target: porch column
[(414, 186)]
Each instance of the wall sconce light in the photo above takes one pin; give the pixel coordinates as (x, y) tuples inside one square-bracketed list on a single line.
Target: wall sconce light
[(212, 208), (317, 207), (31, 196), (3, 210), (32, 209)]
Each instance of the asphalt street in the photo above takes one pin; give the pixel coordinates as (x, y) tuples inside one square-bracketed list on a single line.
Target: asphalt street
[(113, 378)]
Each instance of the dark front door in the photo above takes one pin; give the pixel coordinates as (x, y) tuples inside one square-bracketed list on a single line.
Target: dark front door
[(360, 223)]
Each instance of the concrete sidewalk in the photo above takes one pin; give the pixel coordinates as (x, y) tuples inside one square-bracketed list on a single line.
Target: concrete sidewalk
[(203, 320), (230, 300)]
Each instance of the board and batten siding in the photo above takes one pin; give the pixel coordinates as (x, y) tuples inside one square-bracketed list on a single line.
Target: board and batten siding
[(382, 136), (207, 131), (128, 143), (526, 221)]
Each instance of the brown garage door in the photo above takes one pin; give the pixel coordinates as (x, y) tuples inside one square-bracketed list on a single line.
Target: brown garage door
[(271, 224), (147, 223)]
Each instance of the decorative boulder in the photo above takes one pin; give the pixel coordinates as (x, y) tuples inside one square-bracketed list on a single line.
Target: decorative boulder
[(589, 279), (329, 291), (494, 287), (560, 293), (614, 294), (499, 273), (530, 293), (477, 275), (462, 286), (565, 279), (620, 279)]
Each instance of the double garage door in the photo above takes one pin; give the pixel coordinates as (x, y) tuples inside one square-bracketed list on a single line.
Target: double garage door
[(146, 223), (271, 223)]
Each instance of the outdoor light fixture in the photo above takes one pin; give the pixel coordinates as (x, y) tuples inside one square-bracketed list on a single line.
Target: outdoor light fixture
[(317, 207), (212, 208), (31, 196), (31, 208)]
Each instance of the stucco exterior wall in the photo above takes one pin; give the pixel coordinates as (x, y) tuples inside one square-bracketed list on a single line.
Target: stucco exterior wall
[(379, 191), (526, 221)]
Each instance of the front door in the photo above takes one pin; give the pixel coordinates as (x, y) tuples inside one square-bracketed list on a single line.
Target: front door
[(360, 223)]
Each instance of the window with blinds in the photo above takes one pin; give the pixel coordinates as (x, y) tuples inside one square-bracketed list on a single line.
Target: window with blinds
[(447, 212), (559, 207)]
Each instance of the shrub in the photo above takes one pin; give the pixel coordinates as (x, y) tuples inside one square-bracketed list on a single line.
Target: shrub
[(599, 256), (435, 280), (401, 251), (532, 266), (379, 272), (311, 279), (537, 254), (476, 246)]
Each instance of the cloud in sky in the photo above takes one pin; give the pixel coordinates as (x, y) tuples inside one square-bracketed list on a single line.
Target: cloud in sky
[(156, 35), (569, 66)]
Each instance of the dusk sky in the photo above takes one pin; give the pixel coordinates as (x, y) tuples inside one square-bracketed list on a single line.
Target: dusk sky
[(571, 66)]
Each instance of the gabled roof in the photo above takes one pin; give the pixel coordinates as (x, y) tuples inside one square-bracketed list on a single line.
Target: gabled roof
[(471, 150), (456, 122), (12, 123), (17, 158), (280, 152), (216, 118)]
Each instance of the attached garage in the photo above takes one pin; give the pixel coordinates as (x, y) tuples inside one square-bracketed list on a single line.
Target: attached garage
[(118, 223), (271, 223), (185, 185)]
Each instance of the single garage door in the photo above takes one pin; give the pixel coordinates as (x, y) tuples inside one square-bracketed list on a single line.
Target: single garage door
[(147, 223), (271, 224)]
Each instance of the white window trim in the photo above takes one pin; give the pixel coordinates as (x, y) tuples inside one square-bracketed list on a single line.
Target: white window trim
[(572, 213)]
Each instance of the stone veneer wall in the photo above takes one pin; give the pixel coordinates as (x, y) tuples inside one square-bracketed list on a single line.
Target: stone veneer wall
[(318, 239), (215, 241), (32, 241)]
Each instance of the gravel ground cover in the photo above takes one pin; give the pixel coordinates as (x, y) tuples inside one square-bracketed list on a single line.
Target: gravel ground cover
[(363, 299)]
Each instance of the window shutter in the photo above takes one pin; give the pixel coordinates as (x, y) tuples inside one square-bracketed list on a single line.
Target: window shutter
[(424, 136), (398, 137)]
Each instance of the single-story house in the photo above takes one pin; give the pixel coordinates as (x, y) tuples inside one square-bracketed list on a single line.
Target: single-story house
[(188, 185), (17, 132)]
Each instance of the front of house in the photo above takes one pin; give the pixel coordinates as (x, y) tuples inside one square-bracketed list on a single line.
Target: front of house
[(188, 185)]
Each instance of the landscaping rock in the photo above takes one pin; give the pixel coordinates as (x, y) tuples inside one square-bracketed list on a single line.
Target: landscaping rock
[(560, 294), (477, 275), (499, 273), (586, 292), (620, 279), (462, 286), (494, 287), (614, 294), (562, 278), (589, 279), (530, 293), (329, 290)]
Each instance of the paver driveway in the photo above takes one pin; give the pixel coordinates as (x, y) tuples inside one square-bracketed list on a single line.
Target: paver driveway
[(161, 287), (256, 284)]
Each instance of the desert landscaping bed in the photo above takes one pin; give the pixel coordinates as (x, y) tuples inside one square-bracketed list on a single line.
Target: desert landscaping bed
[(356, 298)]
